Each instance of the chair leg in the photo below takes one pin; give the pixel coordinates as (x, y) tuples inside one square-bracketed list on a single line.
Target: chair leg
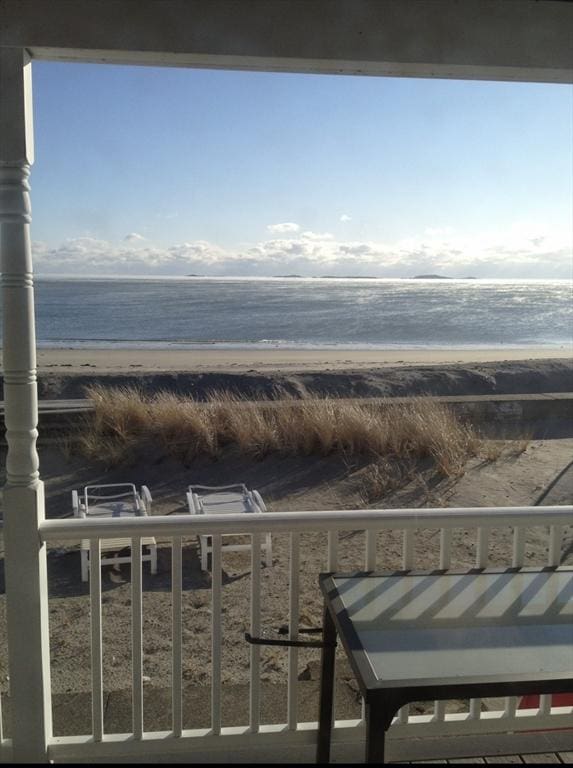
[(204, 552), (85, 565), (268, 550), (153, 553)]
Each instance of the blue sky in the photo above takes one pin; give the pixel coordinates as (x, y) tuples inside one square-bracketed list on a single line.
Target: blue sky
[(172, 171)]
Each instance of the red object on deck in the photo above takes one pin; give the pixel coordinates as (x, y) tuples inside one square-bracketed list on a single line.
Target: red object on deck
[(557, 700)]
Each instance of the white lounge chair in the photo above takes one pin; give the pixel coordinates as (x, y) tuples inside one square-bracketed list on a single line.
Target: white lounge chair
[(225, 500), (114, 500)]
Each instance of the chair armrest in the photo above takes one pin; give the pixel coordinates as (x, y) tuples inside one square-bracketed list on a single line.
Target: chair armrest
[(191, 503), (146, 498), (259, 500), (75, 503)]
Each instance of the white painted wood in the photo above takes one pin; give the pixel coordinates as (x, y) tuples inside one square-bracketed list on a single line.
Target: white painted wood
[(445, 548), (294, 598), (176, 665), (445, 520), (482, 556), (137, 637), (445, 562), (332, 556), (482, 547), (312, 520), (96, 641), (370, 555), (275, 742), (408, 549), (555, 543), (553, 558), (407, 563), (517, 560), (370, 565), (255, 650), (216, 633), (23, 499), (518, 546), (331, 566)]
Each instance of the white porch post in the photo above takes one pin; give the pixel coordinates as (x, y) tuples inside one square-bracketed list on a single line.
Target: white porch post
[(26, 575)]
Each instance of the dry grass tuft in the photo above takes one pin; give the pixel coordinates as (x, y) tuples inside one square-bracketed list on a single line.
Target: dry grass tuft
[(126, 420), (492, 450)]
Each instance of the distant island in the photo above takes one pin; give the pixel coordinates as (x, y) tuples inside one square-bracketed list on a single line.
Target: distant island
[(347, 277), (441, 277), (354, 277)]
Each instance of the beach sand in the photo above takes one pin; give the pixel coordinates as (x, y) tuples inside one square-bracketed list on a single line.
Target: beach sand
[(65, 373), (241, 360)]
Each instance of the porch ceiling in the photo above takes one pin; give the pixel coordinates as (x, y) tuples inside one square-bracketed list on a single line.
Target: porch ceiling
[(528, 40)]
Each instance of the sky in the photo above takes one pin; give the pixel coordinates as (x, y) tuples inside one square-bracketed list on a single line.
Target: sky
[(161, 171)]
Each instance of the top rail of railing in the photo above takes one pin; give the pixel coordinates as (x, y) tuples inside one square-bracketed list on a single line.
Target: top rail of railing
[(300, 521)]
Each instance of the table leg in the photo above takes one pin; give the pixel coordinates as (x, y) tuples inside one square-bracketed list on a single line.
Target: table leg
[(375, 733), (326, 688)]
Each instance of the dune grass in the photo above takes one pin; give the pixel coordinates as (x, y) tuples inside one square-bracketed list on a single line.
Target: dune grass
[(125, 422)]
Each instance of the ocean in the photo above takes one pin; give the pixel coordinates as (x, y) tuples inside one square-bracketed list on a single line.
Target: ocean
[(302, 313)]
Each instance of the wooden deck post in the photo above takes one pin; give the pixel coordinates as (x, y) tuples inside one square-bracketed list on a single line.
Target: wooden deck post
[(25, 556)]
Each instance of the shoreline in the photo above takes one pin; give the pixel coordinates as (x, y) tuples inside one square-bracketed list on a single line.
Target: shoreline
[(59, 360)]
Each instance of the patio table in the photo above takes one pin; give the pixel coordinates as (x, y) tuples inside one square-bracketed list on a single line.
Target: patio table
[(437, 635)]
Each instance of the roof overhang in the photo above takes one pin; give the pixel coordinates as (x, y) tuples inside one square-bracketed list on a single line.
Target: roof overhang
[(524, 40)]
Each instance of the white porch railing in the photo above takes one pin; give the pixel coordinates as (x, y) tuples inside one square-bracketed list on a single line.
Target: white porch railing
[(256, 741)]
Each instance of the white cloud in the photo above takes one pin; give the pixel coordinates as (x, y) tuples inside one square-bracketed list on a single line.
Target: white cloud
[(133, 237), (281, 229), (345, 217), (517, 252), (317, 236)]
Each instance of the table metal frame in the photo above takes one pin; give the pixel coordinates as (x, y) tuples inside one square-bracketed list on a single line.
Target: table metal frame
[(382, 702)]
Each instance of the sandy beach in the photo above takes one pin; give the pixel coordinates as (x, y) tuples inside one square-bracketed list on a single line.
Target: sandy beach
[(252, 373), (272, 359)]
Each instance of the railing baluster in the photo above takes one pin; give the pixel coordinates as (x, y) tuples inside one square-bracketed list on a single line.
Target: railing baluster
[(482, 545), (176, 587), (445, 548), (517, 560), (408, 549), (332, 563), (445, 562), (370, 556), (255, 650), (407, 563), (553, 558), (294, 593), (370, 565), (482, 555), (96, 639), (518, 556), (216, 633), (137, 637), (555, 543)]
